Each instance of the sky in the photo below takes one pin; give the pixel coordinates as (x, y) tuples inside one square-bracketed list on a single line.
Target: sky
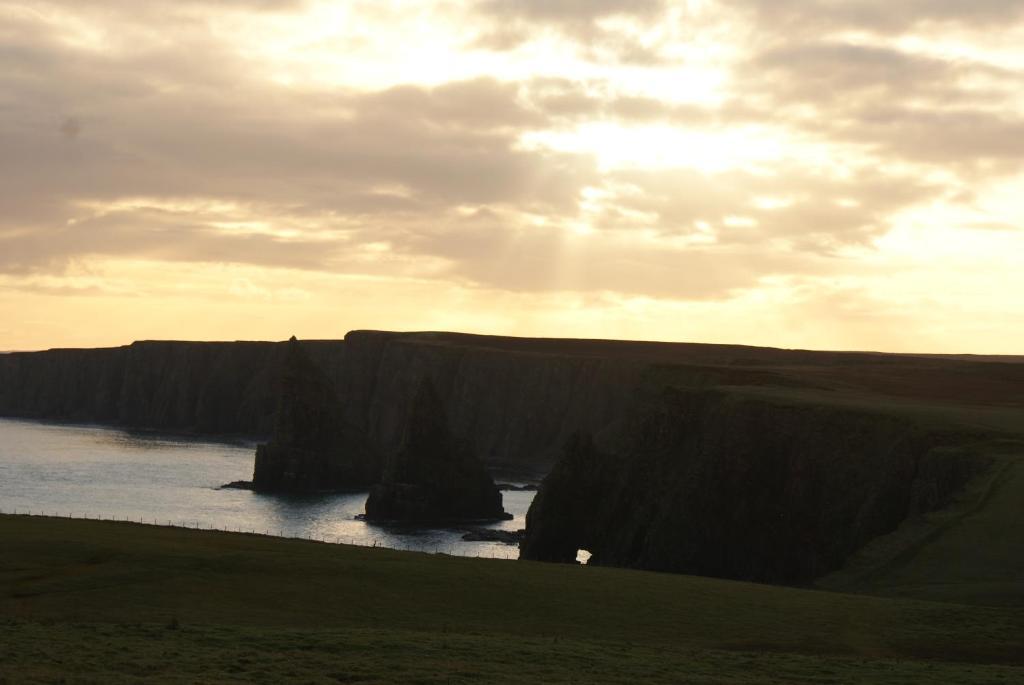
[(798, 173)]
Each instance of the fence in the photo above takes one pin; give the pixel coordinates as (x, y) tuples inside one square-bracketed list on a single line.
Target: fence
[(384, 543)]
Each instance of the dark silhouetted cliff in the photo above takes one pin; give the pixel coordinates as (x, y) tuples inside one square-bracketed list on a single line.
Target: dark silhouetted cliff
[(433, 476), (187, 387), (63, 385), (518, 400), (721, 484), (515, 400)]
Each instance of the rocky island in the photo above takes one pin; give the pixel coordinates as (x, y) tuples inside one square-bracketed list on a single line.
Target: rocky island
[(313, 448), (433, 477)]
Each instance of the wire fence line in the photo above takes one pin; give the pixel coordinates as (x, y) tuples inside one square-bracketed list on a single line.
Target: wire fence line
[(389, 543)]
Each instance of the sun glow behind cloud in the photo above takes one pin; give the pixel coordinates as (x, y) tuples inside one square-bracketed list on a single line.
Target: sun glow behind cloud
[(791, 174), (616, 146)]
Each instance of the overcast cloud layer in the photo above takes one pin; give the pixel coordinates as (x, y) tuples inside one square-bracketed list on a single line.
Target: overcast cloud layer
[(812, 173)]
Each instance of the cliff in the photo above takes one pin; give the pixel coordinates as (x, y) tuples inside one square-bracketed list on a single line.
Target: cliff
[(516, 401), (433, 476), (721, 483), (312, 448), (185, 387), (723, 460), (63, 385)]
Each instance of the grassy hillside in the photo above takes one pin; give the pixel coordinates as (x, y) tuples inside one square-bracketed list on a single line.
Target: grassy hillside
[(971, 552), (84, 601)]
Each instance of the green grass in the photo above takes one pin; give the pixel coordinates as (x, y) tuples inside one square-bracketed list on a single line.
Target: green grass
[(999, 421), (971, 552), (86, 601)]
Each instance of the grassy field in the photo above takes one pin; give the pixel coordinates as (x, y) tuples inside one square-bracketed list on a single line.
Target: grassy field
[(86, 601)]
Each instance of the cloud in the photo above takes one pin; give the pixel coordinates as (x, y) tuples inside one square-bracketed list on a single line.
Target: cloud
[(145, 7), (188, 149), (516, 22), (181, 162), (567, 101), (570, 12), (823, 71), (879, 16), (177, 155), (490, 251), (898, 106), (794, 210), (351, 153)]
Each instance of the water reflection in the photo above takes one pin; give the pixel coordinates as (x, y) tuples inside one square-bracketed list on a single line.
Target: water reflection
[(105, 473)]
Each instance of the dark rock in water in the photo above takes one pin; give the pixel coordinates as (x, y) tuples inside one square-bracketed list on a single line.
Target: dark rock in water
[(312, 448), (508, 537), (238, 485), (722, 484), (433, 476)]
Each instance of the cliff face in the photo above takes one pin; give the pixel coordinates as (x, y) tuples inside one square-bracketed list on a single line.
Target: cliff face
[(208, 388), (312, 447), (64, 385), (433, 476), (515, 406), (516, 401), (719, 484), (187, 387)]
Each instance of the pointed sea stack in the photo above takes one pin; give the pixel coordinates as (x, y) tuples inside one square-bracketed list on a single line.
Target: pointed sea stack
[(433, 477), (312, 448)]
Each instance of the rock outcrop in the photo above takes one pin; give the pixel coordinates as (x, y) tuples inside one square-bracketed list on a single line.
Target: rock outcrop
[(505, 537), (722, 484), (312, 448), (433, 476)]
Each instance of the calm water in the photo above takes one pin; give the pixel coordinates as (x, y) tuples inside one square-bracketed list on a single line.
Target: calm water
[(107, 473)]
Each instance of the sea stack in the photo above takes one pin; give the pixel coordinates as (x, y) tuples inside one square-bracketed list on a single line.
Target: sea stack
[(433, 476), (312, 448)]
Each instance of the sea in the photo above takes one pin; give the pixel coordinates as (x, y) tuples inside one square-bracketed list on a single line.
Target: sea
[(99, 472)]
